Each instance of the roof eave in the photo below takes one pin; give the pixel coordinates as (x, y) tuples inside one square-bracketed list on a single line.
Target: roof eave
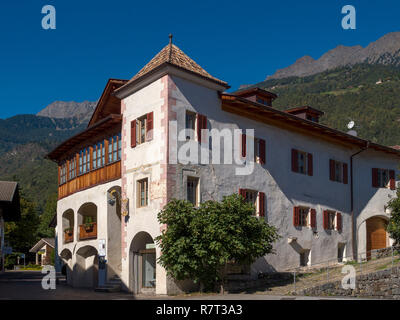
[(356, 140), (159, 71), (106, 92), (112, 117)]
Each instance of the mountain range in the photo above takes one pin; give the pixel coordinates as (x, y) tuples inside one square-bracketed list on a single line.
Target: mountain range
[(81, 111), (385, 51)]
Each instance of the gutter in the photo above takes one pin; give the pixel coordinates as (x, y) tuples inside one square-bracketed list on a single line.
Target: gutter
[(353, 238)]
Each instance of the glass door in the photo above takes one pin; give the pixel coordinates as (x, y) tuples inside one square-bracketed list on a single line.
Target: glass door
[(149, 269)]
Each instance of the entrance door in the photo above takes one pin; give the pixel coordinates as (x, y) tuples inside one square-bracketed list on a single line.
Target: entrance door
[(148, 268), (376, 234)]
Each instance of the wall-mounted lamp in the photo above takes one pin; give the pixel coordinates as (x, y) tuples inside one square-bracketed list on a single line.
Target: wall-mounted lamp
[(292, 240)]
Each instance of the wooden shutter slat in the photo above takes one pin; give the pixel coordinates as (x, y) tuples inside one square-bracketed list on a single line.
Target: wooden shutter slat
[(262, 151), (375, 178), (261, 202), (345, 173), (392, 179), (149, 129), (310, 164), (199, 124), (313, 218), (133, 134), (243, 145), (295, 162), (339, 221), (296, 217), (325, 219), (332, 170)]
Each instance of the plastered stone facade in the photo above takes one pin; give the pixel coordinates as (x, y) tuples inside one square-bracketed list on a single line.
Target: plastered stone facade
[(169, 97)]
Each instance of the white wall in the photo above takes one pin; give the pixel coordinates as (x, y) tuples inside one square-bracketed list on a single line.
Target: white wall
[(96, 195), (144, 161), (283, 188)]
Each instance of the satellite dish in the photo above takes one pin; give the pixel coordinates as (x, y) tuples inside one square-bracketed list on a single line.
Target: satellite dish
[(351, 125), (352, 133)]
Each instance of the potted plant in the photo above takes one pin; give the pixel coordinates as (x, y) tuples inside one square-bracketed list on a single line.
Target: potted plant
[(88, 224)]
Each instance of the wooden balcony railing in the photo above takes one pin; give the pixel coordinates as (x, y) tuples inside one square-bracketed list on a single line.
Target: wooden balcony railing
[(88, 231), (90, 179), (68, 236)]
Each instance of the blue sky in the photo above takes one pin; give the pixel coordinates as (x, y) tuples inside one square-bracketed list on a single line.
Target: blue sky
[(239, 42)]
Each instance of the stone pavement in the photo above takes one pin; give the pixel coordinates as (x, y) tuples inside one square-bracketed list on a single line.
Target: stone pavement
[(26, 285)]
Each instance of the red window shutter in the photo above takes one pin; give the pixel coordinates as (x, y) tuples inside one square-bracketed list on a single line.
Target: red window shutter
[(310, 164), (201, 124), (313, 218), (339, 221), (345, 173), (204, 126), (295, 161), (262, 151), (325, 220), (149, 129), (242, 192), (261, 203), (133, 134), (375, 178), (243, 145), (392, 178), (296, 216), (332, 170)]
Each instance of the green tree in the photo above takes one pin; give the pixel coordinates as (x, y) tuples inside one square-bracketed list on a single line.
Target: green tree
[(22, 235), (199, 243), (394, 221), (44, 231)]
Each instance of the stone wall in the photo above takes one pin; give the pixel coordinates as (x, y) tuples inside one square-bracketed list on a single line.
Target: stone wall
[(380, 284)]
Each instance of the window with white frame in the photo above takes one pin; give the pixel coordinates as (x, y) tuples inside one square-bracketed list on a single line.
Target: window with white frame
[(383, 178), (72, 168), (304, 216), (142, 192), (192, 190), (338, 171), (190, 125), (141, 127), (63, 173), (302, 162)]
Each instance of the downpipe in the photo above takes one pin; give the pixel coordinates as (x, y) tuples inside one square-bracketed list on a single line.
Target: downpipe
[(353, 233)]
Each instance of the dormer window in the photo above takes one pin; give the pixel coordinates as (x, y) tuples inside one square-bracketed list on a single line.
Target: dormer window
[(266, 102), (257, 95), (306, 113)]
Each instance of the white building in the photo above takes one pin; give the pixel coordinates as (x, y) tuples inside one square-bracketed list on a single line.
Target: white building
[(323, 189)]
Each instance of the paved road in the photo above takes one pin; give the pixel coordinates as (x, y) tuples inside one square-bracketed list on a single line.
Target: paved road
[(27, 285)]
